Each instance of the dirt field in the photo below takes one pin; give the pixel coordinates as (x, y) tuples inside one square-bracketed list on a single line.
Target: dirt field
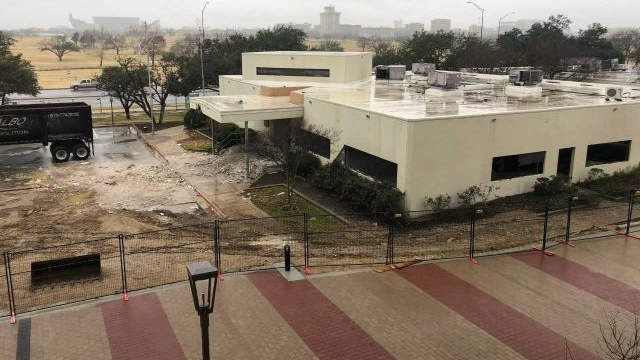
[(123, 189), (54, 74)]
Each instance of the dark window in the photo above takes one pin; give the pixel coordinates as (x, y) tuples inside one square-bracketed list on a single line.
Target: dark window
[(513, 166), (293, 72), (371, 165), (608, 153), (317, 144)]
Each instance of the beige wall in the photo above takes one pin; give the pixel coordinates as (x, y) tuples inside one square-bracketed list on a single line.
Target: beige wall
[(347, 68), (378, 135), (448, 155)]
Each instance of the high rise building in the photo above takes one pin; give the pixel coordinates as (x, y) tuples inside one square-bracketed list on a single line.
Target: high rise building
[(329, 22), (441, 24)]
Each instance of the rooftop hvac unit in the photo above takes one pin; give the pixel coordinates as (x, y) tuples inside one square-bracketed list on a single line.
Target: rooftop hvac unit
[(525, 77), (445, 79), (423, 68), (390, 72), (614, 93), (382, 72), (397, 72)]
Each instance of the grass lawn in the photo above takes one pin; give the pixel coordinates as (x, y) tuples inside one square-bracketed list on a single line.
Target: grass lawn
[(137, 118), (54, 74), (273, 199), (195, 142)]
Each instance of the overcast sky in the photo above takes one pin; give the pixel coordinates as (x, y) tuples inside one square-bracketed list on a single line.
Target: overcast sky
[(253, 13)]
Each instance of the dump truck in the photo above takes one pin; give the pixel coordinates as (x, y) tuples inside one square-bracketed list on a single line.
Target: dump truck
[(66, 127)]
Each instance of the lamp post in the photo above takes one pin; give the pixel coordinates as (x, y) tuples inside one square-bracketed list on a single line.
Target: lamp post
[(100, 100), (201, 273), (153, 120), (202, 46), (502, 18), (111, 102), (482, 21)]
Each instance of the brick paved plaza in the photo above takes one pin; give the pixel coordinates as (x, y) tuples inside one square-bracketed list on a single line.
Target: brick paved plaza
[(523, 306)]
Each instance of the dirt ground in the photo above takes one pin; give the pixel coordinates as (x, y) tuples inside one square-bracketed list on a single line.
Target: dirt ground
[(122, 189)]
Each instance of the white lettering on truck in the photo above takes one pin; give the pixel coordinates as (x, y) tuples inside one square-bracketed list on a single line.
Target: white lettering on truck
[(12, 121)]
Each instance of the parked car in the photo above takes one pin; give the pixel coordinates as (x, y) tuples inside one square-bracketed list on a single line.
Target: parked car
[(85, 84)]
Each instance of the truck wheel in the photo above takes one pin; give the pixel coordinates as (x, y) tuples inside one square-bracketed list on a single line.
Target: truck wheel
[(76, 87), (80, 152), (60, 153)]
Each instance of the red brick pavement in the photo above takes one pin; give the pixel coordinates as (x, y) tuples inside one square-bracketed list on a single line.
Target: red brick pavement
[(520, 332), (326, 329), (602, 286), (139, 329)]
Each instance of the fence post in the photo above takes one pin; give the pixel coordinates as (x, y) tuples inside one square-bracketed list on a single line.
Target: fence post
[(546, 225), (389, 259), (632, 196), (568, 232), (472, 235), (123, 268), (216, 248), (7, 272), (12, 299), (307, 269)]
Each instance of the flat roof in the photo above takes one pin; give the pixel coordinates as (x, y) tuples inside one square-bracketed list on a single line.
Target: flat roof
[(479, 95), (311, 53), (405, 100), (238, 108)]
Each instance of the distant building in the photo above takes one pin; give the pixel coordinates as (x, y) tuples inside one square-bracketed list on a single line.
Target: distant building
[(350, 31), (306, 27), (412, 28), (110, 24), (475, 29), (329, 22), (441, 24), (398, 24), (525, 25), (507, 26), (378, 32)]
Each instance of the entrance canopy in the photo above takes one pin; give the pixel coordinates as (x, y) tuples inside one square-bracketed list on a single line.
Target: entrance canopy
[(239, 108)]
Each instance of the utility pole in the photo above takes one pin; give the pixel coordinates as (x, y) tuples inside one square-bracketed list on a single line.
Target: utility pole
[(482, 21), (146, 36)]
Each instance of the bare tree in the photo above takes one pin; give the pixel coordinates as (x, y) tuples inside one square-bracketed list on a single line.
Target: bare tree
[(620, 342), (59, 45), (628, 41), (286, 143)]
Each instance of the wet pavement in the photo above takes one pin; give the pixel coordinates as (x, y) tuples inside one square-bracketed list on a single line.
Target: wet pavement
[(521, 306)]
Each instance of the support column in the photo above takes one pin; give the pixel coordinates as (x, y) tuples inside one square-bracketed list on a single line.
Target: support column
[(246, 151)]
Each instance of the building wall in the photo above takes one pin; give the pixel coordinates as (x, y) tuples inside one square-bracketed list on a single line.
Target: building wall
[(440, 24), (449, 155), (377, 135), (343, 68)]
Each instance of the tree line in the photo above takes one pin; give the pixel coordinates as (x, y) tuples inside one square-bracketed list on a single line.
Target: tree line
[(546, 45)]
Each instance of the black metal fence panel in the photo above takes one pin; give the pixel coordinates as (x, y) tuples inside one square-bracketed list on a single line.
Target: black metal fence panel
[(160, 257), (63, 274), (4, 289), (346, 241), (258, 244), (605, 219), (427, 236), (519, 230)]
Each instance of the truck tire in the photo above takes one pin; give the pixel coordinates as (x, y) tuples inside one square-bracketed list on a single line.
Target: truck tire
[(60, 153), (81, 152)]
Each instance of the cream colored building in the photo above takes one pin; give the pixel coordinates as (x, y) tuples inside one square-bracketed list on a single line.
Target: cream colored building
[(435, 141)]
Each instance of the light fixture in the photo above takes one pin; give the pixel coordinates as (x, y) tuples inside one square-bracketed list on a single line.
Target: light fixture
[(203, 273)]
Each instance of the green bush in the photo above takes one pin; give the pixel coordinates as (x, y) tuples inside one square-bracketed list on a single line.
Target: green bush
[(439, 204), (366, 195), (476, 194), (309, 164), (596, 174), (194, 119), (553, 185)]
